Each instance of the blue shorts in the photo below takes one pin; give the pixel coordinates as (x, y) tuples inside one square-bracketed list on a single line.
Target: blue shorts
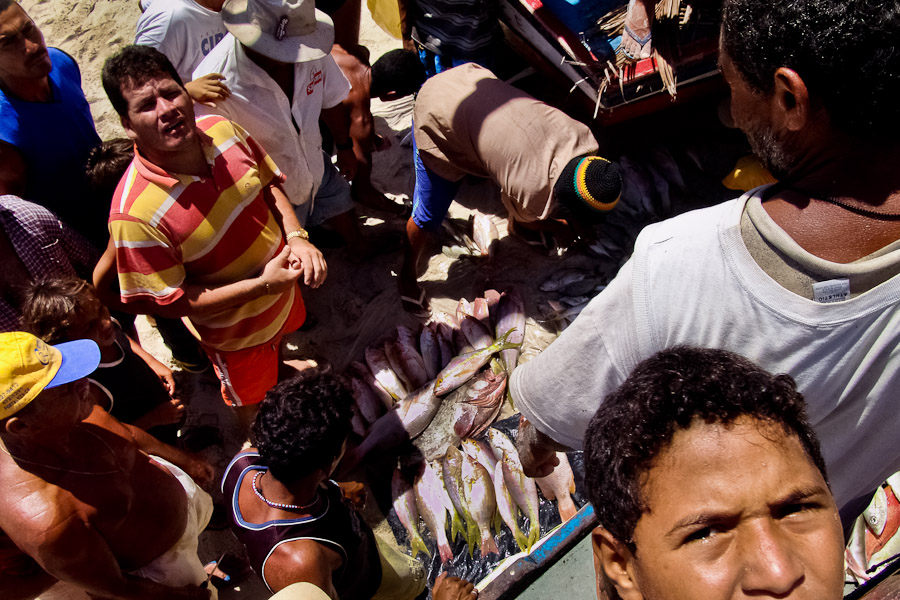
[(332, 198), (438, 63), (432, 196)]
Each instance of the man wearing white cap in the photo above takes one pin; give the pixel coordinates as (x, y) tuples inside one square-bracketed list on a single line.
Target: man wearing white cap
[(276, 63), (81, 497)]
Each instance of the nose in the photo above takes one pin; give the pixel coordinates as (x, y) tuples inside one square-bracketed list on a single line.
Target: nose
[(165, 106), (772, 566)]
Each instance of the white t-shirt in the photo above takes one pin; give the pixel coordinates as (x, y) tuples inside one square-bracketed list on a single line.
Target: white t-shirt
[(260, 106), (692, 281), (182, 30)]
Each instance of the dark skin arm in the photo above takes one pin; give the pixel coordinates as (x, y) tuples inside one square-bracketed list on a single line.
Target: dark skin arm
[(12, 171), (72, 551), (338, 123), (537, 450), (406, 8), (303, 560), (194, 465)]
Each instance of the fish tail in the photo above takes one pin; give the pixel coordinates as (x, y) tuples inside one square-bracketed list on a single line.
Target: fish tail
[(498, 522), (472, 532), (417, 544), (534, 534), (512, 405), (445, 552), (488, 545), (566, 507), (521, 540), (456, 526)]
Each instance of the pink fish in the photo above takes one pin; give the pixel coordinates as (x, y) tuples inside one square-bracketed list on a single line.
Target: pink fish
[(511, 316), (362, 371), (370, 407), (431, 351)]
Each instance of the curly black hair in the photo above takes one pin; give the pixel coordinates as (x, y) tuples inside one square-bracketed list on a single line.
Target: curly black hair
[(134, 65), (844, 50), (398, 71), (302, 424), (669, 392), (50, 305)]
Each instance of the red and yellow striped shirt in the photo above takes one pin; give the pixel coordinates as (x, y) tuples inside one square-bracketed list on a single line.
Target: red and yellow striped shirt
[(171, 230)]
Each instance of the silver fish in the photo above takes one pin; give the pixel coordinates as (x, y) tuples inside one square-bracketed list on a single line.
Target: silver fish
[(481, 452), (479, 492), (456, 524), (405, 507), (524, 492), (445, 341), (392, 353), (507, 507), (500, 443), (560, 485), (406, 420), (412, 362), (453, 481), (464, 367), (363, 372), (369, 406), (431, 351), (484, 233), (429, 501), (464, 308), (564, 277), (384, 374), (511, 317), (477, 334)]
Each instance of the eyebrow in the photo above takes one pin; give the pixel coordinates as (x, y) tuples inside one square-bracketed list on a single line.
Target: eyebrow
[(798, 495)]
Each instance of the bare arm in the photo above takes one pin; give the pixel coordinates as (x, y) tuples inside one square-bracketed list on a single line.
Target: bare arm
[(312, 263), (406, 22), (536, 450), (303, 560), (70, 550), (338, 122), (208, 89), (12, 171)]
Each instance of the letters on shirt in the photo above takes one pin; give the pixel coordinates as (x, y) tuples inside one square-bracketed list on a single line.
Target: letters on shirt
[(210, 42)]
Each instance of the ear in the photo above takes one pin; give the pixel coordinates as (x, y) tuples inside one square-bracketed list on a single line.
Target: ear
[(126, 125), (791, 100), (616, 562), (15, 426)]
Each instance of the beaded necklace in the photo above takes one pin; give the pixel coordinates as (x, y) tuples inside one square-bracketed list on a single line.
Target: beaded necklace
[(259, 494)]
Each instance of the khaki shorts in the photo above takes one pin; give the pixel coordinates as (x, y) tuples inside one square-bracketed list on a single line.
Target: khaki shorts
[(402, 576)]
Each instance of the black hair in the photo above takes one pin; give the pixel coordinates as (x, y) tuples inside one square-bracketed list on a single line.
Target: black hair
[(133, 66), (302, 424), (671, 391), (4, 4), (844, 50), (50, 304), (106, 164), (398, 71)]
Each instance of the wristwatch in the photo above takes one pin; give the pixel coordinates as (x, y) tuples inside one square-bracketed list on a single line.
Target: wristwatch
[(297, 233)]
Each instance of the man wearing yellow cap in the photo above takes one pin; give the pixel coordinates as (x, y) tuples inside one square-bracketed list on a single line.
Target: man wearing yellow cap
[(80, 497)]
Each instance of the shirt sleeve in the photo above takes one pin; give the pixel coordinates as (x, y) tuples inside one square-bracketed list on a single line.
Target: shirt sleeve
[(149, 267), (268, 170), (561, 388), (337, 86)]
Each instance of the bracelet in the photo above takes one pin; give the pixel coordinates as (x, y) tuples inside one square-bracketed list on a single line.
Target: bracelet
[(297, 233), (266, 283), (345, 146)]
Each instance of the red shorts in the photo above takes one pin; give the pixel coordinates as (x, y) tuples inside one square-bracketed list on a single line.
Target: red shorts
[(247, 374)]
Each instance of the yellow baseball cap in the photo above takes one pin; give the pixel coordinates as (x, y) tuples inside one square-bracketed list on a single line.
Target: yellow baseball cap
[(28, 366)]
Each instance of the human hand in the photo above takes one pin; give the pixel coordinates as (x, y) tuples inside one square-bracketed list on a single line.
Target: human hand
[(164, 414), (199, 468), (347, 163), (312, 263), (165, 376), (453, 588), (354, 492), (282, 271), (536, 451), (208, 89)]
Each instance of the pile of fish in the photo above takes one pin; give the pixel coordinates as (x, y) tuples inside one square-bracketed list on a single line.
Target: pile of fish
[(477, 490), (573, 288), (405, 381)]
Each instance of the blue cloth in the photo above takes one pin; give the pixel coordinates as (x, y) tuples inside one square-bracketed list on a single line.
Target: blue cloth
[(433, 195), (437, 63), (55, 138)]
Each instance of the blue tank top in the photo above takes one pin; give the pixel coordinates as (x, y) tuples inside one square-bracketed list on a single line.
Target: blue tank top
[(55, 139)]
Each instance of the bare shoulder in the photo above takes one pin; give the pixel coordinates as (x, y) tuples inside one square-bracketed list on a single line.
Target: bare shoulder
[(33, 511), (302, 560)]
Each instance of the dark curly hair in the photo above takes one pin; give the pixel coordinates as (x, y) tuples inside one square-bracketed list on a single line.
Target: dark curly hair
[(669, 392), (302, 424), (844, 50), (50, 304), (133, 66), (398, 71), (106, 164)]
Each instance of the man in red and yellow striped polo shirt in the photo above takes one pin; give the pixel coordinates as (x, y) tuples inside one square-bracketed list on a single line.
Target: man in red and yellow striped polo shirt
[(203, 230)]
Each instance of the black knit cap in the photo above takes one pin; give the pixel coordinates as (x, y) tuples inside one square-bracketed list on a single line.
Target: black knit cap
[(589, 186)]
